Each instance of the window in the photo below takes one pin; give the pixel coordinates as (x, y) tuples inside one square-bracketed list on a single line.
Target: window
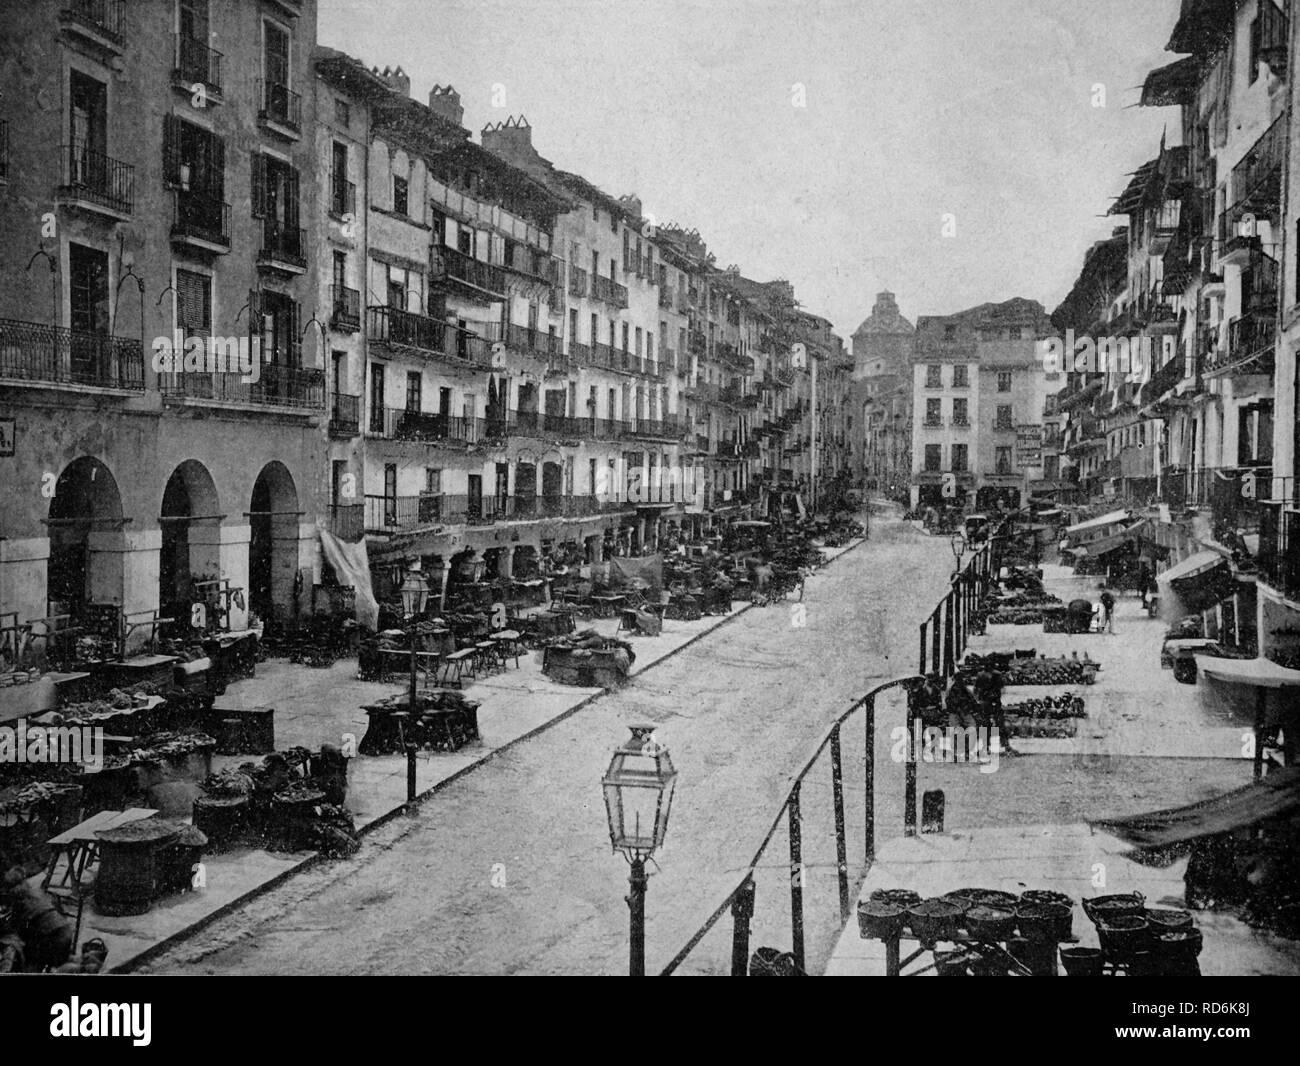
[(342, 113), (934, 412), (1004, 381), (949, 331), (638, 342), (413, 387), (933, 457), (399, 195), (627, 332), (960, 376), (339, 180), (959, 459), (193, 303), (464, 239), (1002, 459), (376, 397), (1014, 333), (1003, 417), (933, 376), (959, 415), (433, 480)]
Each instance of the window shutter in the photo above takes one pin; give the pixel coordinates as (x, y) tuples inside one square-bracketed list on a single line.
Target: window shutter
[(259, 185), (254, 316), (217, 182), (291, 200), (171, 150), (295, 334)]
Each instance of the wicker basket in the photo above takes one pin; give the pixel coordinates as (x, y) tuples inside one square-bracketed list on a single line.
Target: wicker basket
[(1044, 923), (1127, 904), (878, 920), (1168, 919), (932, 920), (1124, 934), (990, 924)]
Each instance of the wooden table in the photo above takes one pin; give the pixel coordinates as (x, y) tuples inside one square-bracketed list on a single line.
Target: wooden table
[(510, 643), (80, 846)]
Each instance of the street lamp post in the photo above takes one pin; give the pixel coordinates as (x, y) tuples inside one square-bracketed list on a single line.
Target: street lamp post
[(415, 594), (958, 544), (638, 789)]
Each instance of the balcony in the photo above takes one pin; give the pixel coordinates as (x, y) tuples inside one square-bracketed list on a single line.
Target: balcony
[(696, 342), (1279, 547), (532, 263), (608, 291), (35, 354), (1167, 377), (533, 341), (666, 301), (657, 429), (97, 21), (577, 281), (94, 182), (1256, 182), (403, 424), (343, 197), (197, 64), (295, 388), (281, 109), (1003, 427), (1251, 340), (284, 248), (406, 329), (345, 314), (345, 416), (201, 223), (480, 278), (932, 423), (347, 520)]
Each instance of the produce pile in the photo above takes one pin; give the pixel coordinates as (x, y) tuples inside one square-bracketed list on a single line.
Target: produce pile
[(1049, 707), (33, 794), (1015, 616), (588, 640), (171, 745), (1060, 671)]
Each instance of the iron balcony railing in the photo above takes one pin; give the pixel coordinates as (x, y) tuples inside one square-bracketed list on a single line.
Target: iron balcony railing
[(30, 351), (1235, 495), (345, 415), (577, 281), (197, 64), (458, 266), (528, 339), (1251, 339), (202, 218), (1256, 180), (301, 388), (280, 104), (663, 428), (102, 16), (345, 314), (343, 196), (96, 178), (608, 291), (391, 325), (1167, 377), (347, 520), (1279, 545), (521, 259), (393, 514), (283, 243), (405, 424)]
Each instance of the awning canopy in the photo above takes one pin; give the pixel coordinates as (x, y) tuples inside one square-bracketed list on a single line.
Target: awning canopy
[(1094, 523), (1102, 545), (1274, 796), (1174, 83), (1260, 673), (1194, 568)]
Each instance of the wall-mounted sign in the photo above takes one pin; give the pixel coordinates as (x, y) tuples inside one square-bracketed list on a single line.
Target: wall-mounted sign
[(1029, 446)]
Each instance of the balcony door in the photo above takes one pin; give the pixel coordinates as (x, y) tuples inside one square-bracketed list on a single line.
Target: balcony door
[(276, 59), (88, 131), (88, 297), (474, 496)]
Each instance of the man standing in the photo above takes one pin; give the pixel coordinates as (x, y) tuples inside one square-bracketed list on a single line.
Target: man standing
[(988, 692), (1107, 611)]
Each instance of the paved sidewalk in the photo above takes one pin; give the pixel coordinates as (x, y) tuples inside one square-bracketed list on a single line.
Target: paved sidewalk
[(312, 706)]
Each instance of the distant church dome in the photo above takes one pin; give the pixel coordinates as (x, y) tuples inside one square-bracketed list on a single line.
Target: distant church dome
[(885, 318)]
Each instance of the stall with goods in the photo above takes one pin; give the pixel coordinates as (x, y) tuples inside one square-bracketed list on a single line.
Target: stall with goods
[(440, 719), (990, 932), (589, 659)]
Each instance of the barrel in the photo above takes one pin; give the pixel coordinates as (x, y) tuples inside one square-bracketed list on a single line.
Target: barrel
[(176, 860), (223, 820), (128, 866)]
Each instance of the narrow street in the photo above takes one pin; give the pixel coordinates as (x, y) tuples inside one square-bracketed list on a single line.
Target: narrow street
[(509, 869)]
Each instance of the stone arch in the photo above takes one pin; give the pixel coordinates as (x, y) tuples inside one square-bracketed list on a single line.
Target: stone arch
[(189, 518), (273, 517), (87, 544)]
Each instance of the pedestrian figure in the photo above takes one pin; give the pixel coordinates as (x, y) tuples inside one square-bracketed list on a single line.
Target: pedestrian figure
[(988, 694), (1108, 611)]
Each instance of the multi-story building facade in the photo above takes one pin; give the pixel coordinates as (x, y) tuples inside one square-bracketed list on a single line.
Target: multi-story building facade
[(979, 389), (152, 206), (882, 399)]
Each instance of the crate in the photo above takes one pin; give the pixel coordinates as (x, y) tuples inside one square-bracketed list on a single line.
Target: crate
[(250, 731)]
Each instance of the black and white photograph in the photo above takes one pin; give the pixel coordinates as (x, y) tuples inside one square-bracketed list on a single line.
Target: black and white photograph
[(669, 488)]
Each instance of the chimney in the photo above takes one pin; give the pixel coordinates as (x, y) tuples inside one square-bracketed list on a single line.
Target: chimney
[(445, 101), (512, 140), (396, 79), (885, 304)]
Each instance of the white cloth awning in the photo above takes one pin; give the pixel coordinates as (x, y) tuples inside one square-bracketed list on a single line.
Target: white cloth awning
[(1262, 673), (1111, 519), (1198, 565)]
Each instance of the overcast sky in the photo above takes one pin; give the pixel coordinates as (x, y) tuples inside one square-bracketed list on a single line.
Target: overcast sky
[(981, 109)]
